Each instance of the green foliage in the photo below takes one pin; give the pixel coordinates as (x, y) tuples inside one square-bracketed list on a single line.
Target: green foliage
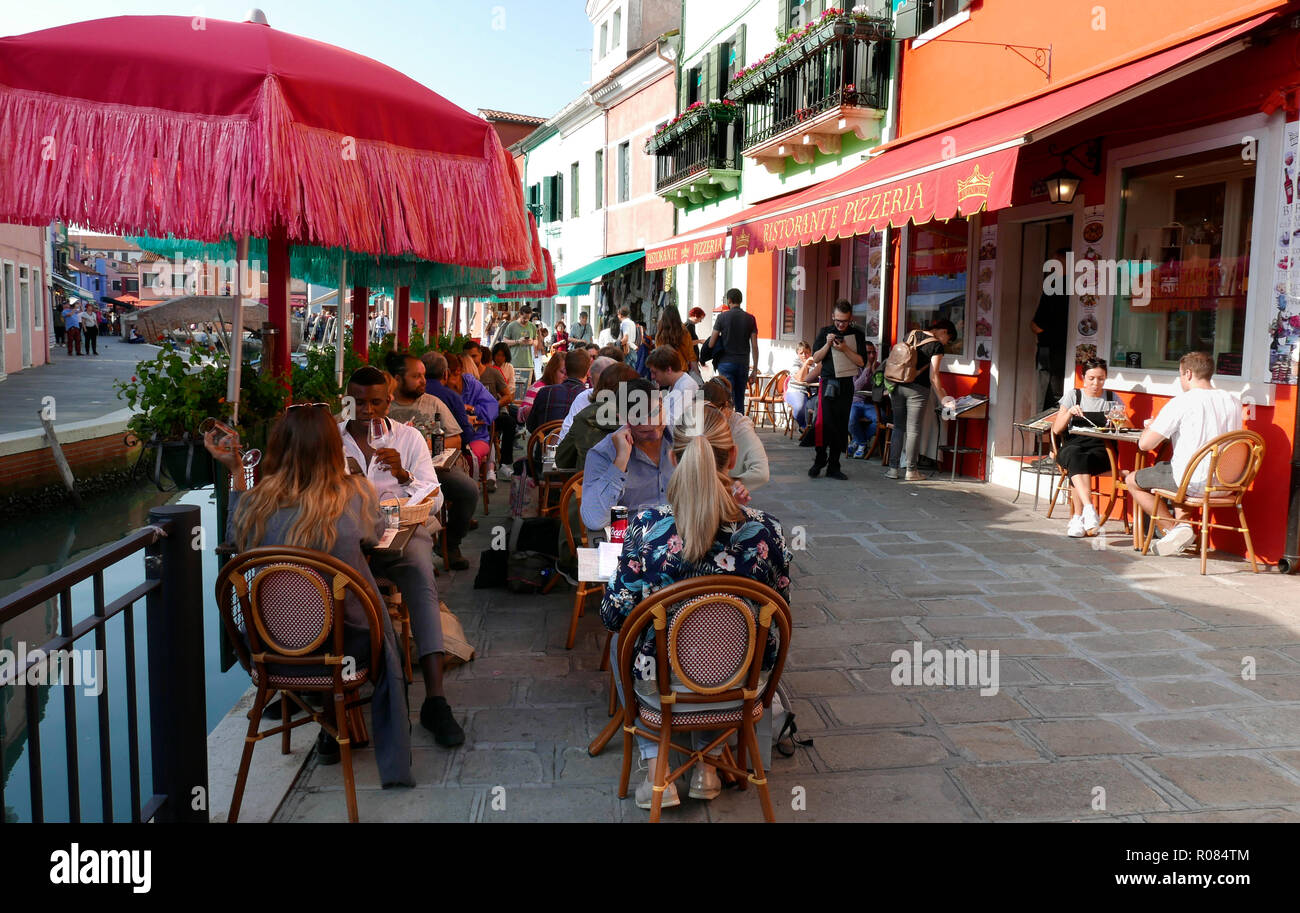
[(316, 383)]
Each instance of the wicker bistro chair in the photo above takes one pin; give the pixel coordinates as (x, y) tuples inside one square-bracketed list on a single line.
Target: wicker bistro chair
[(533, 454), (1234, 461), (1117, 487), (772, 400), (712, 640), (282, 607), (570, 500)]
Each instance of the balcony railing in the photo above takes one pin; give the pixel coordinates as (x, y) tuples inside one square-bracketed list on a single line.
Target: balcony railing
[(842, 63), (698, 158)]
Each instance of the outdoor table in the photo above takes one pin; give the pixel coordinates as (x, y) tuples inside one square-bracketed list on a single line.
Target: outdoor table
[(395, 548), (1113, 439), (552, 482)]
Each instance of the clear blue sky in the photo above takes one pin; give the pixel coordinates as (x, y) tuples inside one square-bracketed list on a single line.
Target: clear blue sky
[(511, 55)]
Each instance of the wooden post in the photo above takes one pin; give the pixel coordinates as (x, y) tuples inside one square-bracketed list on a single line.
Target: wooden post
[(360, 321), (403, 318), (59, 459), (277, 248)]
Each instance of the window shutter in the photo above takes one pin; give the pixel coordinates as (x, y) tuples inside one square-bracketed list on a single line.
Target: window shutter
[(724, 64), (709, 89), (559, 198), (907, 20), (684, 96), (548, 199), (741, 62), (783, 21)]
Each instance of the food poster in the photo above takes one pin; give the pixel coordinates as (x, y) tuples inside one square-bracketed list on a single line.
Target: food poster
[(1284, 327), (986, 292), (868, 276), (1087, 317)]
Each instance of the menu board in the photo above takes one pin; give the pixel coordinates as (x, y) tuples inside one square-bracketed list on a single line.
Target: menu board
[(1284, 328), (986, 292), (1086, 322)]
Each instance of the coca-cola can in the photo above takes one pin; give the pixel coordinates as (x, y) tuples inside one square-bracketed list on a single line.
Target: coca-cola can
[(618, 524)]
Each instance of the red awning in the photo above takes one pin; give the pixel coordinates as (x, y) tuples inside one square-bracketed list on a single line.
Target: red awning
[(958, 172)]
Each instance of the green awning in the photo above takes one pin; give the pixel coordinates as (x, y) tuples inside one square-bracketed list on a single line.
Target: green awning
[(579, 281)]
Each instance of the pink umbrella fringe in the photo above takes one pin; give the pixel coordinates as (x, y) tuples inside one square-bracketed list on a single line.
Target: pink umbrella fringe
[(145, 171)]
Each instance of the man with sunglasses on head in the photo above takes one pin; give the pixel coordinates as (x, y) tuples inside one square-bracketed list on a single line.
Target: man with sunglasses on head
[(396, 470), (840, 349)]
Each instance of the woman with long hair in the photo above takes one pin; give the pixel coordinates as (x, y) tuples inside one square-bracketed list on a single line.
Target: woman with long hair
[(703, 529), (306, 498), (672, 333)]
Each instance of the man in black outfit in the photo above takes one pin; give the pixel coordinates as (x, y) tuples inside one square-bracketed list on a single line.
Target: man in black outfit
[(1050, 324), (839, 350)]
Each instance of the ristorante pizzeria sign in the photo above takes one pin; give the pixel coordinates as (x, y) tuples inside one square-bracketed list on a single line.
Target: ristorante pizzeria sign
[(710, 248), (960, 189)]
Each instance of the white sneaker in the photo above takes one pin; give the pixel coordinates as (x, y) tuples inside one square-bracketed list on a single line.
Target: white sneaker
[(705, 783), (491, 476), (1091, 522), (645, 792), (1075, 529), (1175, 540), (505, 473)]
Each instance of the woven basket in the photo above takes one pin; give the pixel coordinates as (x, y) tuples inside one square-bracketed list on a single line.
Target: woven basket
[(412, 514)]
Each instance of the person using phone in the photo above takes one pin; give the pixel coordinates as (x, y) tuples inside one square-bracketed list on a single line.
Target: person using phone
[(840, 349), (632, 466)]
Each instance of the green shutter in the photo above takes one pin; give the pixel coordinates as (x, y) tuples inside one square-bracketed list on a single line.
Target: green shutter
[(709, 88), (741, 62), (548, 199), (783, 20), (684, 93), (559, 198)]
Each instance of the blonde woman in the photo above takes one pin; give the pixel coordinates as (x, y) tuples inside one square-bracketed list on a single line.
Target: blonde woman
[(798, 389), (703, 529), (306, 498)]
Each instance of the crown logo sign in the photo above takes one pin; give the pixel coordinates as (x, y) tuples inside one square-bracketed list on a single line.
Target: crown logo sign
[(977, 185), (742, 241)]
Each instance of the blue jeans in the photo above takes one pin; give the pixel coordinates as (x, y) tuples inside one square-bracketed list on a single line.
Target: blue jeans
[(649, 748), (738, 373), (862, 422), (797, 400)]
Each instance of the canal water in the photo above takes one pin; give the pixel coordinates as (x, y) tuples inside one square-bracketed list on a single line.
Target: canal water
[(33, 547)]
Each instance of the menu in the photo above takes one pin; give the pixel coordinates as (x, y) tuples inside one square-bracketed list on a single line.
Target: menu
[(986, 292), (1284, 329)]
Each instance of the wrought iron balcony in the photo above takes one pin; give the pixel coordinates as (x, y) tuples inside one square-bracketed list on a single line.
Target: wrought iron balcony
[(829, 80), (697, 157)]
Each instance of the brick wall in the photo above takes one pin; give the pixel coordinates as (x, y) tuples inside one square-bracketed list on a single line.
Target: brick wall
[(36, 468)]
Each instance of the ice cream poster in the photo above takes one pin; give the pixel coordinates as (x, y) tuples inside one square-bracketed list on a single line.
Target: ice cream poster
[(1284, 322)]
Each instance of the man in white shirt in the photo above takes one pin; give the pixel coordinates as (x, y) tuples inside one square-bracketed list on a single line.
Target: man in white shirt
[(396, 469), (667, 370), (626, 329), (583, 399), (1190, 420)]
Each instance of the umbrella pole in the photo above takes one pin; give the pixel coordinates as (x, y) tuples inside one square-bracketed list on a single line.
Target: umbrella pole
[(236, 347), (341, 321)]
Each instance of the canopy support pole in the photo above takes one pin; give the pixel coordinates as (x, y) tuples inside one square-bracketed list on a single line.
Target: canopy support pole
[(277, 246), (236, 348), (340, 321), (403, 321), (360, 327)]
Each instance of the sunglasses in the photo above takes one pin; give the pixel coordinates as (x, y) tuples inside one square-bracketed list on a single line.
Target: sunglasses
[(308, 405)]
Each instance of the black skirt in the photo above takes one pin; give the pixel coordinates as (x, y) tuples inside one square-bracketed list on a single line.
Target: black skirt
[(1083, 455)]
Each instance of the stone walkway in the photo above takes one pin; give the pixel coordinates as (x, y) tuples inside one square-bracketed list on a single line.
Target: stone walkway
[(1121, 679)]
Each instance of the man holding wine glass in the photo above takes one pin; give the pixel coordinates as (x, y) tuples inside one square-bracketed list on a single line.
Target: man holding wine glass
[(396, 460)]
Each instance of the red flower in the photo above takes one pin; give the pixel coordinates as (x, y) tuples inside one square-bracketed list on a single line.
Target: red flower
[(132, 378)]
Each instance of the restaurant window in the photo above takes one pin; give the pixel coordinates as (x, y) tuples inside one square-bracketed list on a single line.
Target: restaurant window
[(600, 178), (624, 175), (936, 278), (38, 296), (24, 292), (868, 263), (573, 191), (792, 282), (1191, 219)]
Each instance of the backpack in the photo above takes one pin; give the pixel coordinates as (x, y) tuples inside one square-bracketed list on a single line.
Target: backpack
[(900, 367)]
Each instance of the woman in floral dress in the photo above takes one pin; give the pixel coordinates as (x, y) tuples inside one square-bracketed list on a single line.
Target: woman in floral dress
[(704, 529)]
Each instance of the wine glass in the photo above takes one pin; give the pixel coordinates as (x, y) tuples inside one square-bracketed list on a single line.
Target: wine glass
[(1118, 416), (377, 433), (225, 435)]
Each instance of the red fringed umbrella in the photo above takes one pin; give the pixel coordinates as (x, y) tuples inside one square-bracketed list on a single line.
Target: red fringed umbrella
[(236, 129)]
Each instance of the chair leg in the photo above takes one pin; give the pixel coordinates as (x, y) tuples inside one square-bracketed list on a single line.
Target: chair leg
[(1205, 538), (604, 654), (628, 748), (1061, 481), (1245, 531), (613, 695), (611, 728), (578, 598), (246, 759), (345, 752), (760, 776), (661, 775), (284, 718), (889, 440)]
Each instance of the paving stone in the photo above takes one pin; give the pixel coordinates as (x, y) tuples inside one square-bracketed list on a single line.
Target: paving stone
[(526, 725), (872, 710), (1269, 725), (1148, 620), (1083, 738), (1264, 636), (472, 693), (1229, 816), (574, 765), (1059, 790), (1277, 688), (1221, 616), (1191, 733), (1156, 665), (376, 806), (496, 767), (954, 607), (1186, 694), (925, 794), (1228, 780), (932, 590), (1129, 643), (1116, 600), (956, 626), (968, 706), (572, 689), (1289, 758), (855, 609), (517, 666), (1034, 603), (556, 804), (816, 657), (987, 742), (1015, 646), (818, 682), (879, 749), (1077, 700), (1069, 670), (1265, 662), (1061, 624)]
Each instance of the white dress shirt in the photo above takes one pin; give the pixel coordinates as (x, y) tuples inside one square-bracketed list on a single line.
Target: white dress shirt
[(414, 452), (580, 402)]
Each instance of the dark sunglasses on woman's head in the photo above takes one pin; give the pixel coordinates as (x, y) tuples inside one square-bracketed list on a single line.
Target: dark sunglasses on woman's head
[(305, 405)]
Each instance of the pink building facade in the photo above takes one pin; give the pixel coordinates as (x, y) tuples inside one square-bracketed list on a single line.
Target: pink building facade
[(646, 98), (24, 299)]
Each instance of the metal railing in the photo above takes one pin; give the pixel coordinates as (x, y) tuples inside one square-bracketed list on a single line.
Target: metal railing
[(849, 70), (172, 590), (708, 144)]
